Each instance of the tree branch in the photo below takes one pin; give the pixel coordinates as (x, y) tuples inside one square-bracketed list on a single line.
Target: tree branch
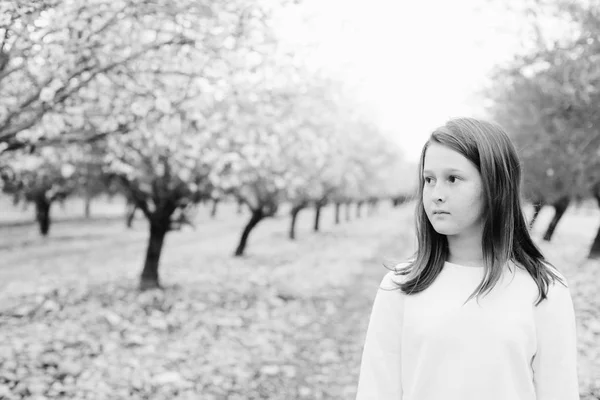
[(8, 132)]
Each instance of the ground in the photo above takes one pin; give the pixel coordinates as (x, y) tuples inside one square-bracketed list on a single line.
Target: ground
[(286, 321)]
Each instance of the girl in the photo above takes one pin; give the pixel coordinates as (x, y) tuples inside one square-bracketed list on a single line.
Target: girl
[(426, 338)]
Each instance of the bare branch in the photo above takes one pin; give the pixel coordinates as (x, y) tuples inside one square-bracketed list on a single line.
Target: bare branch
[(136, 195)]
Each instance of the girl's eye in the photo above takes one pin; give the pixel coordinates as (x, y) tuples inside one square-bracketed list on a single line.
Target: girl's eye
[(451, 179)]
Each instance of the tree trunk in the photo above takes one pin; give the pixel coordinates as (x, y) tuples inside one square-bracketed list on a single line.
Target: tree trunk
[(372, 207), (42, 214), (240, 205), (317, 217), (149, 278), (294, 213), (87, 206), (560, 206), (337, 213), (130, 210), (257, 215), (537, 207), (348, 211), (213, 211), (358, 207), (595, 250)]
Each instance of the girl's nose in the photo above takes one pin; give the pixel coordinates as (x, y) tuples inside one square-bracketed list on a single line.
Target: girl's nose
[(437, 195)]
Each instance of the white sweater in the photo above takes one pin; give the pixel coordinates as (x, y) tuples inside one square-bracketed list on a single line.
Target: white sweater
[(428, 346)]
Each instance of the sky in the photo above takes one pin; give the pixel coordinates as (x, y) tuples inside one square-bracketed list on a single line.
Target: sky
[(413, 64)]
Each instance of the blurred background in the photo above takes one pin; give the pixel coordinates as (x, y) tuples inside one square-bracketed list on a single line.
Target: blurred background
[(196, 197)]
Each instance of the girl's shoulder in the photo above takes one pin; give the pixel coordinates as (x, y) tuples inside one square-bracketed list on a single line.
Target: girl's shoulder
[(397, 275), (547, 267), (558, 295), (557, 290), (559, 275)]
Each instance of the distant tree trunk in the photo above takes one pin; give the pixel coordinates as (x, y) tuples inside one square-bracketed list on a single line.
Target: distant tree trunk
[(595, 250), (358, 207), (213, 212), (348, 211), (257, 216), (401, 199), (130, 210), (87, 205), (537, 207), (372, 207), (560, 206), (42, 214), (398, 200), (337, 213), (158, 231), (318, 207), (294, 213), (240, 205)]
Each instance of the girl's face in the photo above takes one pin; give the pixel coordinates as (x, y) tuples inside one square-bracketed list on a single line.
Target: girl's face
[(452, 192)]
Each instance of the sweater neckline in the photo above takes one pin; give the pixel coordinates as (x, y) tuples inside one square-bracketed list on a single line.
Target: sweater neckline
[(462, 266), (511, 267)]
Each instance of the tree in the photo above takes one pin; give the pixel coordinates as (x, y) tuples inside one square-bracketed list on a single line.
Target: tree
[(178, 109), (48, 175), (50, 51), (253, 168), (548, 103), (162, 167), (312, 149)]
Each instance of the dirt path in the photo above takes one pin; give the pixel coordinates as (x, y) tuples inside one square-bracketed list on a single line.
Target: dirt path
[(339, 351)]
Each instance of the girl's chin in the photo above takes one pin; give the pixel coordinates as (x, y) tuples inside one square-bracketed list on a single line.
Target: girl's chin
[(443, 229)]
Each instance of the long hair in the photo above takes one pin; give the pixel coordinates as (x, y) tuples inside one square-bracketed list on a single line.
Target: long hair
[(505, 235)]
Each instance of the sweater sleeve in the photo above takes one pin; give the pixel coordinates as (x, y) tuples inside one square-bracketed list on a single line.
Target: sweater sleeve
[(380, 369), (555, 362)]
